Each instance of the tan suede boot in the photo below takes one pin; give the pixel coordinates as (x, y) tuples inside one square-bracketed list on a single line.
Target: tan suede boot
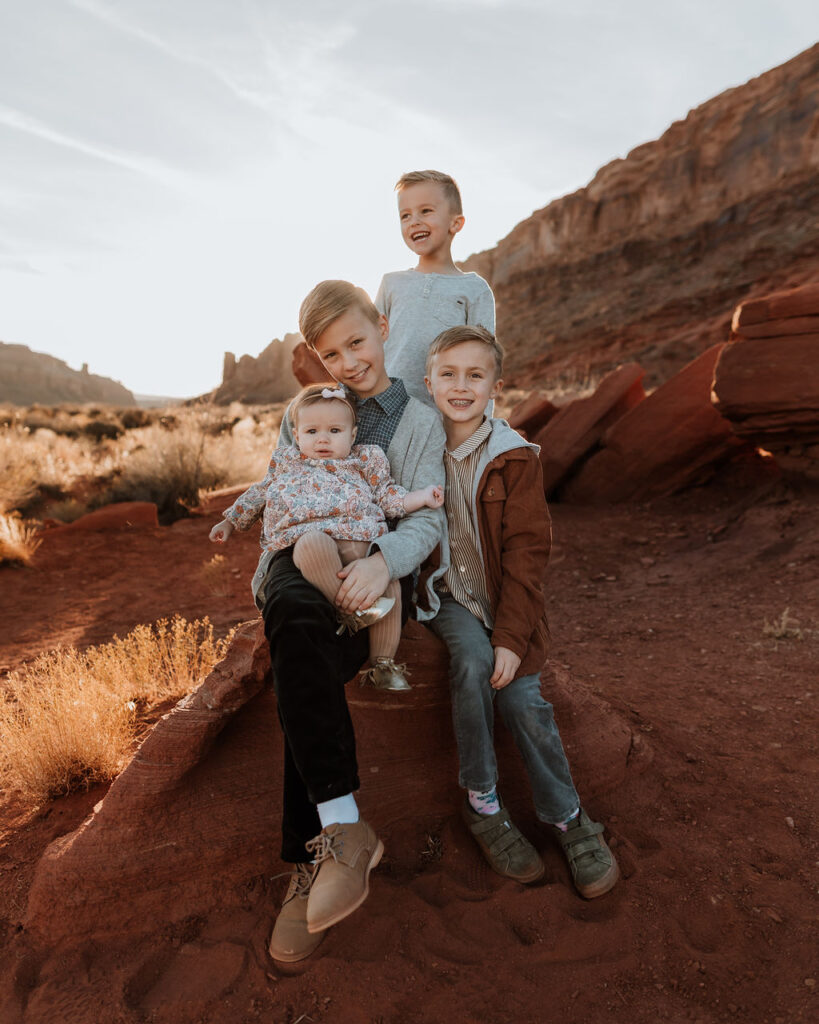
[(290, 940), (345, 855)]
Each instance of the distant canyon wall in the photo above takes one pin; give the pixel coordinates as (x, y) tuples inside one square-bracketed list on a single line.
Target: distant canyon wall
[(28, 378), (648, 260)]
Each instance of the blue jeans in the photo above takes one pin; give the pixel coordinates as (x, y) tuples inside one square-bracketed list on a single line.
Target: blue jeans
[(527, 715)]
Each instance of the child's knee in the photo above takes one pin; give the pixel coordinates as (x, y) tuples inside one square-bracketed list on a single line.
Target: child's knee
[(311, 544), (471, 672)]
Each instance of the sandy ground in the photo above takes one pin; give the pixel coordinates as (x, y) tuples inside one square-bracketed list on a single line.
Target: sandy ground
[(662, 610)]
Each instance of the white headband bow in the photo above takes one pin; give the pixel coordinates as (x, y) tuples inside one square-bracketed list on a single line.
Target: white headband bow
[(338, 393)]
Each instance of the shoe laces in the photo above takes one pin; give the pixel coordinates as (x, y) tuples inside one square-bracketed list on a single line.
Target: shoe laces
[(303, 878), (325, 846), (349, 624), (301, 881)]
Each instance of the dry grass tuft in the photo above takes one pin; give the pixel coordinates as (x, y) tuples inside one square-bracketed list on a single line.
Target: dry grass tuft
[(18, 477), (784, 628), (18, 539), (216, 574), (69, 718)]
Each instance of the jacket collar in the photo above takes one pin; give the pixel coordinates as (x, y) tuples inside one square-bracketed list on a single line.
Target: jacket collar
[(504, 439)]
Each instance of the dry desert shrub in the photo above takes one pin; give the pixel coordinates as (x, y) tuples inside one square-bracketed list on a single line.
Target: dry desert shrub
[(167, 467), (18, 475), (33, 463), (175, 461), (93, 457), (18, 539), (69, 718)]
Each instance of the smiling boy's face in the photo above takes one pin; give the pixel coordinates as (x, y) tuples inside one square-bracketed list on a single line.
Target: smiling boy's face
[(463, 380), (352, 349), (428, 223)]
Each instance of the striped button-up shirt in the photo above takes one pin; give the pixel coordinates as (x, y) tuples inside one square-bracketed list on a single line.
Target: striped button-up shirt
[(465, 579)]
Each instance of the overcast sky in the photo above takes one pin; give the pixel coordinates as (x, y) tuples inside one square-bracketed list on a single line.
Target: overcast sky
[(177, 174)]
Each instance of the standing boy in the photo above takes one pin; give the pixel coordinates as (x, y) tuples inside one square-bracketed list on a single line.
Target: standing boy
[(492, 618), (422, 302), (332, 849)]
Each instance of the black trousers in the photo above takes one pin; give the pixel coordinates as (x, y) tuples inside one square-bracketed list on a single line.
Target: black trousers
[(311, 665)]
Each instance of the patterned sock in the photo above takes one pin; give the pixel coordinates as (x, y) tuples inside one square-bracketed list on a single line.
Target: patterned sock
[(343, 810), (484, 803), (564, 825)]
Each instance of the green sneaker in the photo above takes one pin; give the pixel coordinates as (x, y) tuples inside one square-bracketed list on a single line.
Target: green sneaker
[(593, 866), (507, 850)]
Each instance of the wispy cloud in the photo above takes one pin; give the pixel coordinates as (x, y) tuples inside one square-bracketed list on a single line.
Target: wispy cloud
[(17, 266), (255, 98), (136, 163)]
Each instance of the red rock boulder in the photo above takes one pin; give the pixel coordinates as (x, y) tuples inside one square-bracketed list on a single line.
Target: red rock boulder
[(577, 428), (119, 516), (194, 817), (532, 413), (665, 443), (796, 302), (766, 382), (307, 367)]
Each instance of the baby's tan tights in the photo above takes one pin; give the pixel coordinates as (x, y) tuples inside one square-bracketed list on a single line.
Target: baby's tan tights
[(318, 557)]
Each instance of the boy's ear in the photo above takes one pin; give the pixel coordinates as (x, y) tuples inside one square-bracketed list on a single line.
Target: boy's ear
[(428, 383), (456, 224), (355, 430), (496, 390), (383, 326)]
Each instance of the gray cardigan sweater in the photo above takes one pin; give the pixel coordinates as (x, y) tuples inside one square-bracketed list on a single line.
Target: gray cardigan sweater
[(416, 458)]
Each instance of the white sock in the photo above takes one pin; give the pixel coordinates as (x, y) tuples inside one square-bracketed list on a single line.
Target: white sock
[(342, 810)]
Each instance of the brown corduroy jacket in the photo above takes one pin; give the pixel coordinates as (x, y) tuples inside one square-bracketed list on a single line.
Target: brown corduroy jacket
[(514, 528)]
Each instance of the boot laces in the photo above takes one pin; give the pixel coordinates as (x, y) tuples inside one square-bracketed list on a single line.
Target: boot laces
[(324, 846), (301, 881)]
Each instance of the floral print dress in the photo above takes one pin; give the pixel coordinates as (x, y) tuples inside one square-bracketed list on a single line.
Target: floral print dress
[(348, 498)]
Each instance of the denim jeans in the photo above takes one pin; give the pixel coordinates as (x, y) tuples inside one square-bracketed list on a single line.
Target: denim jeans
[(527, 715)]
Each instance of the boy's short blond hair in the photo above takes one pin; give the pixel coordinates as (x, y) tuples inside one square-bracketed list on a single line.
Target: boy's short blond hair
[(453, 336), (326, 303), (449, 185), (314, 393)]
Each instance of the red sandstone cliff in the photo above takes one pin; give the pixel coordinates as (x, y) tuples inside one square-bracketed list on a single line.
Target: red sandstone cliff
[(647, 261), (266, 378)]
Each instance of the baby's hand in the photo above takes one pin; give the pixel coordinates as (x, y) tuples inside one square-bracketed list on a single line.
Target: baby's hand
[(435, 496), (220, 533), (506, 665)]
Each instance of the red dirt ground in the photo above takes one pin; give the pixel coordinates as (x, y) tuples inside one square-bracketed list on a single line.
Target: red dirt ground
[(660, 608)]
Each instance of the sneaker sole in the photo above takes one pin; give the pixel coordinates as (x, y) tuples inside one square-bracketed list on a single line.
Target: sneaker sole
[(320, 926)]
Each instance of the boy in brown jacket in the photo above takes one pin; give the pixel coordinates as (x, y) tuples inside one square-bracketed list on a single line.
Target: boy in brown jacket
[(492, 617)]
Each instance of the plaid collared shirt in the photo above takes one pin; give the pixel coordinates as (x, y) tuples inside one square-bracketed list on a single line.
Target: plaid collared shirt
[(378, 417), (465, 579)]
